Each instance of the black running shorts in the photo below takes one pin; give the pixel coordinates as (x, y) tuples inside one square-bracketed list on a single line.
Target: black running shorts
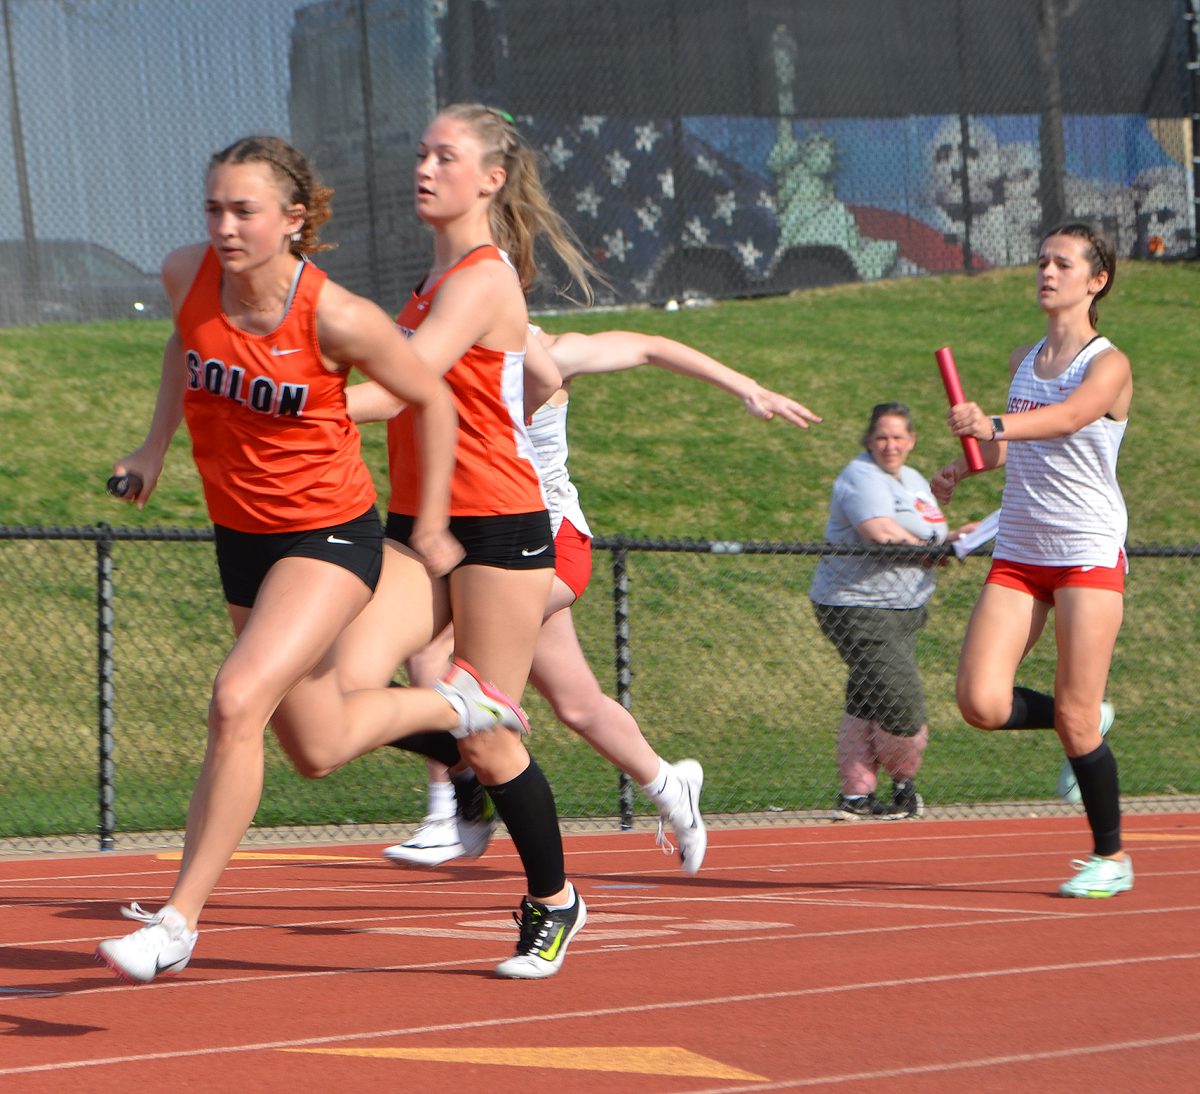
[(511, 541), (243, 558)]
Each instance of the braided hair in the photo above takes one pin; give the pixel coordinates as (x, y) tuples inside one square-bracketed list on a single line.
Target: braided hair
[(297, 179)]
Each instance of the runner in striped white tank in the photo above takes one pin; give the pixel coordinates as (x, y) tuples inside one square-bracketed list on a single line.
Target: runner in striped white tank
[(1062, 505), (1060, 542), (547, 430)]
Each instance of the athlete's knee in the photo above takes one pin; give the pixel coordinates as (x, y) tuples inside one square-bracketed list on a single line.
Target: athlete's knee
[(309, 760), (492, 754), (580, 710), (236, 711), (982, 708)]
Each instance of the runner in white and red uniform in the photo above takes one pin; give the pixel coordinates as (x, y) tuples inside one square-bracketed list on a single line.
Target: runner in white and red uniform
[(1060, 543)]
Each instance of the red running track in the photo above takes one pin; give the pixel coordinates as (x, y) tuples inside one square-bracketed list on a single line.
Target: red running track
[(929, 956)]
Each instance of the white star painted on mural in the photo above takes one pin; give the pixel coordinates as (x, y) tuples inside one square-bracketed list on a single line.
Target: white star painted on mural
[(591, 123), (618, 168), (558, 153), (750, 254), (666, 180), (617, 245), (725, 206), (695, 232), (766, 201), (649, 214), (587, 201), (646, 137), (708, 166)]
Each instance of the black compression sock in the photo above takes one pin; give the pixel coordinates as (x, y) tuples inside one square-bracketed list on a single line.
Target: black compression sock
[(1096, 773), (1030, 710), (437, 744), (526, 805)]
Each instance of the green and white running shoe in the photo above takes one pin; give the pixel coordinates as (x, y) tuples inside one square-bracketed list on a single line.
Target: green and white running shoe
[(1098, 877)]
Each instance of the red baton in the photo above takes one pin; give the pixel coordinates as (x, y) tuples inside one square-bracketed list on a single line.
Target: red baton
[(954, 392)]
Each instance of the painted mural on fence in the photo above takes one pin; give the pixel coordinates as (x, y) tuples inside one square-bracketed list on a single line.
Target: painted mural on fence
[(735, 205), (763, 205)]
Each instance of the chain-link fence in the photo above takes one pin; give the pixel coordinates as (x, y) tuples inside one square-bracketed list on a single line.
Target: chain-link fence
[(111, 637), (713, 147)]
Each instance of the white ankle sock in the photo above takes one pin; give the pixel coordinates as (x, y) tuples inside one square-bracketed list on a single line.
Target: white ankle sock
[(664, 789), (441, 800), (559, 907)]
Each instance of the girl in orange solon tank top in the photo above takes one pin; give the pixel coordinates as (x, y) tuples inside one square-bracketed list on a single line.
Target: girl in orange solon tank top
[(477, 186), (257, 362), (1060, 542)]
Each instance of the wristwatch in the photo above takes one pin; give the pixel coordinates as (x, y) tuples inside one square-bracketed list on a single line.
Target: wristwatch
[(997, 428)]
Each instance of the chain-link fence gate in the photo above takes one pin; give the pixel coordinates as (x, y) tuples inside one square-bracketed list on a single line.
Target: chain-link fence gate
[(706, 147), (111, 638)]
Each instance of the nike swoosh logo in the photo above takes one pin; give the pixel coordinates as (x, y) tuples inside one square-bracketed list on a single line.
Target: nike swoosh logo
[(529, 554), (551, 951), (334, 539), (277, 352), (692, 806)]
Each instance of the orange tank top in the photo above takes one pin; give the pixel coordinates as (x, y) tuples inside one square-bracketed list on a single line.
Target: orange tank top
[(274, 445), (495, 470)]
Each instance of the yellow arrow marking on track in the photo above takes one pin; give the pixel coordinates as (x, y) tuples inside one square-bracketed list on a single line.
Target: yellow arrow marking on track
[(275, 856), (665, 1060)]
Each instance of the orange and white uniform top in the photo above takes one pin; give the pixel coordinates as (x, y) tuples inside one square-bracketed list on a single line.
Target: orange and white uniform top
[(495, 470), (272, 441)]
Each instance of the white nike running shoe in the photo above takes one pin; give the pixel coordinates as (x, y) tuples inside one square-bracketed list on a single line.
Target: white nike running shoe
[(162, 947), (544, 937), (481, 706), (685, 819), (435, 842)]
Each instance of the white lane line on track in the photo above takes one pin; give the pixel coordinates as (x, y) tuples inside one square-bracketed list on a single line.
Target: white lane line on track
[(800, 898), (602, 1012), (580, 949), (579, 849)]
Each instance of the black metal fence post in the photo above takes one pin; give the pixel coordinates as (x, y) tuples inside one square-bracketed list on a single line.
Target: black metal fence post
[(104, 686), (620, 568), (1192, 21)]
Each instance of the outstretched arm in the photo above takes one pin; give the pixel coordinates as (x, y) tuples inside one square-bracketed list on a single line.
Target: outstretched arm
[(614, 351)]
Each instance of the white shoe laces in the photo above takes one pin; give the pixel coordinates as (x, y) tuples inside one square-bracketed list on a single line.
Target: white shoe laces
[(155, 926), (662, 839)]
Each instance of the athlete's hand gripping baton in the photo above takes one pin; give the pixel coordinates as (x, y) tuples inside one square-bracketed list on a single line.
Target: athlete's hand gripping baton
[(954, 392)]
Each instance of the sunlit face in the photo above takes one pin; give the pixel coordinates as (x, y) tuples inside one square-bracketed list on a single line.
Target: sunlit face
[(248, 220), (1064, 274), (890, 443), (450, 176)]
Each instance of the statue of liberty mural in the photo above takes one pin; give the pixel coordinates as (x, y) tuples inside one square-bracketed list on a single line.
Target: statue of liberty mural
[(807, 210)]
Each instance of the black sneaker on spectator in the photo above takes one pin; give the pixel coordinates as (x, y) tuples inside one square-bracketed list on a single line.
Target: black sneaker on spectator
[(860, 807), (906, 802)]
